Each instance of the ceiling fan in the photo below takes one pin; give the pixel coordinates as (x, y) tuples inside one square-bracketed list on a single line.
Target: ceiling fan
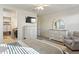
[(40, 6)]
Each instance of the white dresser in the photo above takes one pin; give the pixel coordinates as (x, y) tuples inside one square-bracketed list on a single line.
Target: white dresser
[(57, 35), (30, 32)]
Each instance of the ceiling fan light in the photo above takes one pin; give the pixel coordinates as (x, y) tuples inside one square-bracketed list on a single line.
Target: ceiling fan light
[(40, 8)]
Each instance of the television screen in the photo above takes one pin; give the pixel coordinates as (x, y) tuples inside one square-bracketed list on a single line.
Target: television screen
[(30, 19)]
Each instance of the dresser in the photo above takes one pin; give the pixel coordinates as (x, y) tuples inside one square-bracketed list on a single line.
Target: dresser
[(30, 32), (57, 35)]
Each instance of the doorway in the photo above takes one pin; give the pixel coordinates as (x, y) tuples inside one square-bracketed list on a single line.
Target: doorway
[(9, 26)]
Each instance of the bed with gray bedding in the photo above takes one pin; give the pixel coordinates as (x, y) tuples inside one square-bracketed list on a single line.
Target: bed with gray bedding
[(43, 48)]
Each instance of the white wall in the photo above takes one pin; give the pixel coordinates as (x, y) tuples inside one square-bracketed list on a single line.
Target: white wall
[(1, 25), (38, 26), (21, 14), (70, 18), (45, 25), (13, 18), (72, 22)]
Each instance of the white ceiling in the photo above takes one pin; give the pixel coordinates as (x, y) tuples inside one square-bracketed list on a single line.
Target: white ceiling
[(52, 8)]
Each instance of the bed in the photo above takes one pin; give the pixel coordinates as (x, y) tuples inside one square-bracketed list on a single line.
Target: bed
[(43, 47)]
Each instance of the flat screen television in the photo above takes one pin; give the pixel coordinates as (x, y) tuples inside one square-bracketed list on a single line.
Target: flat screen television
[(30, 19)]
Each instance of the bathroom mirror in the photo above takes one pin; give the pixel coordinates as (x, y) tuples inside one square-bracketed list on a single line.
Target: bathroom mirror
[(59, 24)]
